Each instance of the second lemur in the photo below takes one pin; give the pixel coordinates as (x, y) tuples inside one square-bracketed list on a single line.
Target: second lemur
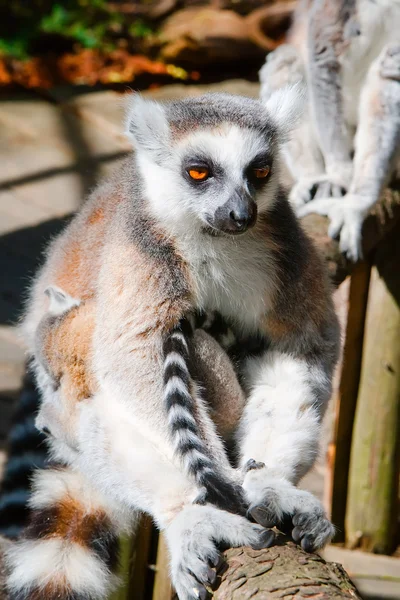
[(347, 54), (195, 222)]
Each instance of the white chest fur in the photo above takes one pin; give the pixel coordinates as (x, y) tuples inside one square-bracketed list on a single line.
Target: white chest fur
[(235, 276)]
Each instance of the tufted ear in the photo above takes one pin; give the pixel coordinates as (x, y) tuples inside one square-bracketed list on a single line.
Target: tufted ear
[(286, 107), (147, 126)]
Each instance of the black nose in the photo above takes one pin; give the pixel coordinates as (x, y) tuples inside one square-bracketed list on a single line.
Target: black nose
[(242, 217)]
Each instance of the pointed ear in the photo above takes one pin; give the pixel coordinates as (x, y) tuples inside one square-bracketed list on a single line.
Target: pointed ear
[(147, 126), (286, 107), (60, 301)]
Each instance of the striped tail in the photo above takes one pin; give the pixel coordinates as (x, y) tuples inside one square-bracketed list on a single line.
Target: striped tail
[(69, 551), (27, 450), (180, 391)]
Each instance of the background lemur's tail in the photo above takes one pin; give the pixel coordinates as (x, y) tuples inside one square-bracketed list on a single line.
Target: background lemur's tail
[(26, 450), (69, 551), (180, 390)]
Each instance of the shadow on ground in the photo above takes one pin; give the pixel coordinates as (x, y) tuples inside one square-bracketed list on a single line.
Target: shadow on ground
[(21, 253)]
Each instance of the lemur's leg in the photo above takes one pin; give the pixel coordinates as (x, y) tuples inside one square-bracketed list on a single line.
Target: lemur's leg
[(278, 439), (302, 155), (377, 152), (70, 546), (330, 28)]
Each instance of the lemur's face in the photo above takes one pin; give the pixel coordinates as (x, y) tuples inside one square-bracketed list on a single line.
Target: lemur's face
[(210, 163), (224, 176)]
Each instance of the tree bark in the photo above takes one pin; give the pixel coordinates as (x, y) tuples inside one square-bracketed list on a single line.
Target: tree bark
[(283, 571)]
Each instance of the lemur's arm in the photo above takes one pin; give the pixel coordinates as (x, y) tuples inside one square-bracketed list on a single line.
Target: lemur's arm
[(289, 386), (328, 25)]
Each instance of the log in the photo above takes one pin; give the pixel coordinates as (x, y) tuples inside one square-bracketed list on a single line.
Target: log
[(372, 506), (376, 227), (283, 571)]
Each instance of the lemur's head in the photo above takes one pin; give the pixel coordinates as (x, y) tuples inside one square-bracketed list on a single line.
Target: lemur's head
[(211, 160)]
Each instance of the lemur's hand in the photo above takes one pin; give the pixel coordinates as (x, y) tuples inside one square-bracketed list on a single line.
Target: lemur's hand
[(276, 502), (346, 217), (193, 538), (332, 184)]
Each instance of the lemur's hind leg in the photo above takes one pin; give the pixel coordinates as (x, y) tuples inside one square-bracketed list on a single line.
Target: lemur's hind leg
[(302, 155), (278, 441), (377, 152)]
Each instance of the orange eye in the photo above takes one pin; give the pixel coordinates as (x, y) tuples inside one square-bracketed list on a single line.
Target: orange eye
[(199, 174), (261, 173)]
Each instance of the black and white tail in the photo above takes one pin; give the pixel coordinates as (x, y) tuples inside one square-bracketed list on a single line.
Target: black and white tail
[(180, 389), (26, 450), (69, 551)]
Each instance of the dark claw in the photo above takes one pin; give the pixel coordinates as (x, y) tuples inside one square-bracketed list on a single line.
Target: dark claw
[(217, 562), (263, 516), (296, 534), (266, 540), (307, 543), (211, 576), (252, 464), (203, 594)]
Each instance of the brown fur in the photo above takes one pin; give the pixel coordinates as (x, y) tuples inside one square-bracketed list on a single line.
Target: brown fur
[(67, 349)]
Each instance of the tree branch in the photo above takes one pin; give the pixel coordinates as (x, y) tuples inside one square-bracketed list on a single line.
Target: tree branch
[(283, 571)]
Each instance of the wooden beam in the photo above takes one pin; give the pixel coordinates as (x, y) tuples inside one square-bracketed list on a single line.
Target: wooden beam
[(162, 584), (372, 505)]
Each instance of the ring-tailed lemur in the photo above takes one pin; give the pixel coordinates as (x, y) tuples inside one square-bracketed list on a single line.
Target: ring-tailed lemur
[(348, 54), (195, 221)]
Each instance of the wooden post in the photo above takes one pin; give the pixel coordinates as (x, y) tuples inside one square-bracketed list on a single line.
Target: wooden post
[(372, 506), (140, 564), (162, 584), (125, 566), (346, 400), (134, 562)]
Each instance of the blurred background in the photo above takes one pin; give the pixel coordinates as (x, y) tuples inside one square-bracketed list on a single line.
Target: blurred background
[(64, 70)]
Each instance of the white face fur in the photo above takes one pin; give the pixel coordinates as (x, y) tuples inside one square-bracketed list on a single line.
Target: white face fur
[(213, 180)]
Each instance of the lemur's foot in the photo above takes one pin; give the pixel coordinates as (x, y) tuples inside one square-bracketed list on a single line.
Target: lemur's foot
[(193, 537), (315, 187), (346, 217), (390, 63), (276, 502)]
